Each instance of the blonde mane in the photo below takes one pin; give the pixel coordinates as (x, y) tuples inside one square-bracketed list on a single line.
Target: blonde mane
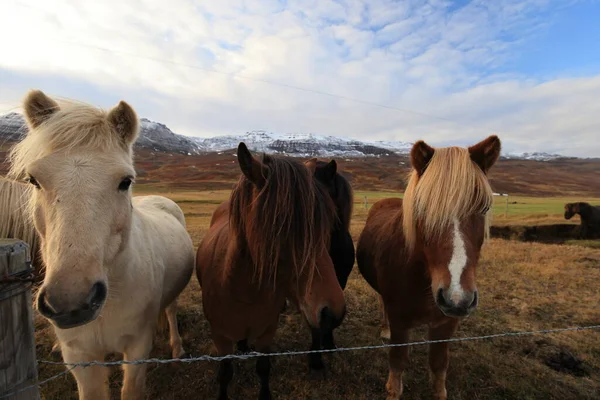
[(73, 125), (451, 188)]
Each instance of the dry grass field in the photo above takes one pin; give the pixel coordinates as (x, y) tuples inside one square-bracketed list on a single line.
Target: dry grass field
[(523, 286)]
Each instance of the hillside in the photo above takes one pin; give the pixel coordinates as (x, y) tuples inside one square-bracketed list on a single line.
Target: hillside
[(176, 161)]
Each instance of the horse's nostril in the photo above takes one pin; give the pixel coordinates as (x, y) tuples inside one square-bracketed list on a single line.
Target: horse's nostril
[(96, 297), (475, 300), (440, 299), (43, 307)]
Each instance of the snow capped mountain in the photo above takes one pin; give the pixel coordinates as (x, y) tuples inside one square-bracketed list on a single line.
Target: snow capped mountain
[(12, 127), (153, 135), (537, 156), (158, 137), (302, 145)]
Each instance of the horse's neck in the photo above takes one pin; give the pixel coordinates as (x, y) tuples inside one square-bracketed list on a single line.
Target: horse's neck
[(239, 273), (123, 267), (585, 210)]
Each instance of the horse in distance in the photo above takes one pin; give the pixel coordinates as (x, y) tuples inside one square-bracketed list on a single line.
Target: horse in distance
[(590, 218), (270, 244), (420, 253), (114, 263)]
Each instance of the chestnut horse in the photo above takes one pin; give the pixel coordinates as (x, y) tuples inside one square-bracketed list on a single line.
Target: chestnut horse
[(270, 245), (420, 253), (341, 248), (590, 218)]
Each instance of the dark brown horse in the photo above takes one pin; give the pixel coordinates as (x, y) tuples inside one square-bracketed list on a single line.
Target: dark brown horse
[(590, 218), (420, 253), (341, 248), (271, 245)]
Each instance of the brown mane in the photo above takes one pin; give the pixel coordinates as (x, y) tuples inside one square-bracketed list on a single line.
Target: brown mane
[(434, 206), (290, 215)]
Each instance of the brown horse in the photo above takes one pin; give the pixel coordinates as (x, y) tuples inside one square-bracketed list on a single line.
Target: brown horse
[(420, 253), (272, 244), (590, 218)]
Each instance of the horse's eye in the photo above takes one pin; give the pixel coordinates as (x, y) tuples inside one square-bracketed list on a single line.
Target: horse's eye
[(485, 210), (30, 179), (125, 184)]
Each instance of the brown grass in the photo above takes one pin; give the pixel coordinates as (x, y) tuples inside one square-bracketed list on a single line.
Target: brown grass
[(524, 286)]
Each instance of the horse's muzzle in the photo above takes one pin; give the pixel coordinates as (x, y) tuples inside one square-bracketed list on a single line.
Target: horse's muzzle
[(85, 313), (452, 309)]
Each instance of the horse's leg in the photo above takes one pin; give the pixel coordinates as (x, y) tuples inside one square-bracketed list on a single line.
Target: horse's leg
[(439, 357), (174, 337), (398, 363), (263, 364), (92, 382), (328, 342), (385, 323), (134, 376), (315, 360), (55, 349), (242, 346), (224, 347), (583, 232)]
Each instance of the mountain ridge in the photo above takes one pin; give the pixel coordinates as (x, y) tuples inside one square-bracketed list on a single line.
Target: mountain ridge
[(156, 136)]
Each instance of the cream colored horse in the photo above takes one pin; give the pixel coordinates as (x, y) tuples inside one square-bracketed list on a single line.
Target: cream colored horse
[(113, 262)]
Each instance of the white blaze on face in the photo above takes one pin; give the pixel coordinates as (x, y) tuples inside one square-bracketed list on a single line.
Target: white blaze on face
[(457, 264)]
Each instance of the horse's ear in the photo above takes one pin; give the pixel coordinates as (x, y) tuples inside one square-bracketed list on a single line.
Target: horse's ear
[(250, 166), (38, 108), (123, 119), (311, 165), (486, 153), (420, 155), (328, 171)]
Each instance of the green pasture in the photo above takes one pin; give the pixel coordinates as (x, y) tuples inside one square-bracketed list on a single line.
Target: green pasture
[(517, 205)]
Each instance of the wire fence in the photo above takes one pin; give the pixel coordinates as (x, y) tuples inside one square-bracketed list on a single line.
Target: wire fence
[(254, 354)]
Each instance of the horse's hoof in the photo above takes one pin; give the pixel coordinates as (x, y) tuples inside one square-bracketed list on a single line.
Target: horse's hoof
[(385, 334), (178, 353), (393, 393)]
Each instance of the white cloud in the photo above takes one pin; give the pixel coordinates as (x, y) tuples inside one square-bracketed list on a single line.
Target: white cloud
[(418, 55)]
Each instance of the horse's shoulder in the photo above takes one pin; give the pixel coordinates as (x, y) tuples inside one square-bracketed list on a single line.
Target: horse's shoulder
[(220, 212), (153, 204), (385, 206)]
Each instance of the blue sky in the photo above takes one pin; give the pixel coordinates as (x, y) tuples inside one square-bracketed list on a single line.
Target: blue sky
[(447, 72)]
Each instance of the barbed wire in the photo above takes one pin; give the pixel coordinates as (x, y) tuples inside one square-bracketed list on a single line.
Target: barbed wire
[(254, 354), (37, 384)]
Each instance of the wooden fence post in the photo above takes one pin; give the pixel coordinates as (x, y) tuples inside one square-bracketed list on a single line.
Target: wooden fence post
[(18, 367)]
